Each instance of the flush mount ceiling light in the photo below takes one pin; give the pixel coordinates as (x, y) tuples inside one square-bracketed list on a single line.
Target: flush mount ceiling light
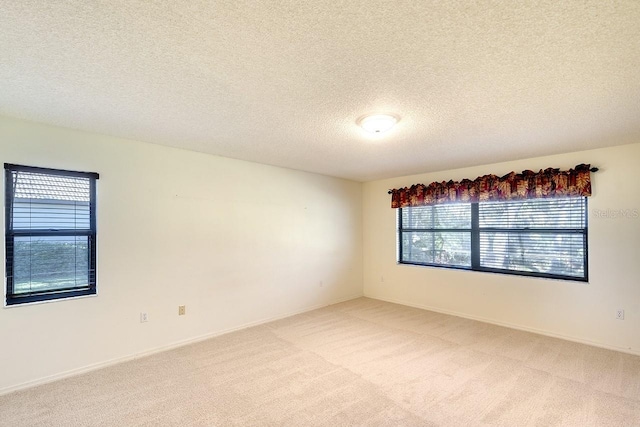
[(378, 123)]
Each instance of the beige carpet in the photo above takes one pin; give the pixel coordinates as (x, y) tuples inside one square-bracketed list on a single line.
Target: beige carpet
[(359, 363)]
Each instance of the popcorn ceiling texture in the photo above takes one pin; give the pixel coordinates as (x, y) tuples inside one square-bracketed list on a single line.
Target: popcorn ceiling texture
[(283, 82)]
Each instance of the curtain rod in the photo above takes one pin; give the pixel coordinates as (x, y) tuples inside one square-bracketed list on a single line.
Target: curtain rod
[(594, 169)]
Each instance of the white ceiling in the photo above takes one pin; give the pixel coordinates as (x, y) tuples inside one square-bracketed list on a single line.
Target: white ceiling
[(283, 82)]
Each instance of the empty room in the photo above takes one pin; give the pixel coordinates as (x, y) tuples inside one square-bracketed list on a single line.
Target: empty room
[(288, 213)]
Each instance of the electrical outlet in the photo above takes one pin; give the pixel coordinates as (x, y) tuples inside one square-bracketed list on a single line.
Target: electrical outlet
[(182, 310), (144, 317), (620, 314)]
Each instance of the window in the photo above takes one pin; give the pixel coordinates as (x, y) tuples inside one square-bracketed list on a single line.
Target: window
[(536, 237), (50, 234), (436, 235)]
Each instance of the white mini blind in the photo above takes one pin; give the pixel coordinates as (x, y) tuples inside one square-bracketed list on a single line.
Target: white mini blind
[(544, 236), (50, 202)]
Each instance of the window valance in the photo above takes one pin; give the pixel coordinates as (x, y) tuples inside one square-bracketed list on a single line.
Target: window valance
[(512, 186)]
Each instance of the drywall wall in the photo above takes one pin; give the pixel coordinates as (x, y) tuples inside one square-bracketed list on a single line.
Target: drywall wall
[(578, 311), (236, 242)]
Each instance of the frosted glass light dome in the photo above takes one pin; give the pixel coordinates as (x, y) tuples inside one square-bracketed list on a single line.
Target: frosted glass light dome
[(378, 123)]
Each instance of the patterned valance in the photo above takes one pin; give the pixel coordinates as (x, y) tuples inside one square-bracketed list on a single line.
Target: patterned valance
[(513, 186)]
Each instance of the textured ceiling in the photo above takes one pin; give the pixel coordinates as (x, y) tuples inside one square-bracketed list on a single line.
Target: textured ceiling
[(283, 82)]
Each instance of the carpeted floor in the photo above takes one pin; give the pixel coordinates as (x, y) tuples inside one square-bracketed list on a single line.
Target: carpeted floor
[(359, 363)]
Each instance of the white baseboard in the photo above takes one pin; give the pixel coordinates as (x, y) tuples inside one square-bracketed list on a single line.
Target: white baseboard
[(511, 325), (149, 352)]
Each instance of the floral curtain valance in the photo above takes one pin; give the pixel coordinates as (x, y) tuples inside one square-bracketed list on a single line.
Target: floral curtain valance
[(513, 186)]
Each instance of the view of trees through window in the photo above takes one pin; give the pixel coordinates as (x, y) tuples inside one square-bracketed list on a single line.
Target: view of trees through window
[(439, 234), (543, 237)]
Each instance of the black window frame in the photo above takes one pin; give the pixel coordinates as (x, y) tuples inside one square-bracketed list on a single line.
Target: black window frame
[(11, 298), (475, 230)]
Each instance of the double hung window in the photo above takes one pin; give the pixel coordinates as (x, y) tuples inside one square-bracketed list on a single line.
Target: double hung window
[(50, 234)]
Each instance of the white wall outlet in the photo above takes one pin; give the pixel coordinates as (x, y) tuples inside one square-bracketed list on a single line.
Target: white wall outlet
[(620, 314), (321, 284), (144, 317), (182, 310)]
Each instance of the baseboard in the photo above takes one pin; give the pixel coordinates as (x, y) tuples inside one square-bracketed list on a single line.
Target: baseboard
[(149, 352), (510, 325)]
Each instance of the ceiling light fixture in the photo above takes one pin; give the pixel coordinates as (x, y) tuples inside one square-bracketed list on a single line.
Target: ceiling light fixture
[(378, 123)]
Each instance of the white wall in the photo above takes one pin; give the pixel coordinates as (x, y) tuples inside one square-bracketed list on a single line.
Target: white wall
[(236, 242), (239, 243), (578, 311)]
